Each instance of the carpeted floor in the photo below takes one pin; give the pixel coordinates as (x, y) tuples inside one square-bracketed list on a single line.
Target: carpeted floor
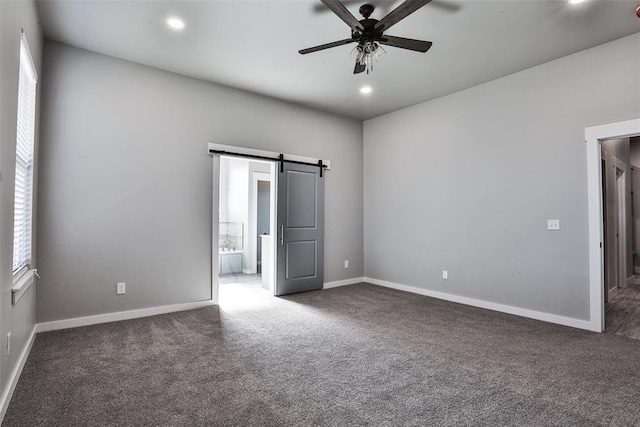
[(356, 355)]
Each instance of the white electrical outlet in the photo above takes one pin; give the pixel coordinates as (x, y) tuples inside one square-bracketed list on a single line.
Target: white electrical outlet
[(553, 224), (346, 263), (121, 288), (445, 275), (9, 343)]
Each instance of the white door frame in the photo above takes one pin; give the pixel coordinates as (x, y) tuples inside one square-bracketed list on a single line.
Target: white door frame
[(215, 203), (215, 229), (621, 222), (593, 137), (215, 226), (258, 176)]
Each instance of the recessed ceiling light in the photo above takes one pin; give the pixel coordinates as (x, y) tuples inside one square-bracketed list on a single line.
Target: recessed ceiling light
[(575, 1), (365, 90), (175, 23)]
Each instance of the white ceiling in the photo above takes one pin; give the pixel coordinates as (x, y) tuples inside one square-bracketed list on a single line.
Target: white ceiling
[(253, 45)]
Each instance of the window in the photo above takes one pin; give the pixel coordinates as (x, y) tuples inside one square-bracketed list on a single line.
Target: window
[(24, 159)]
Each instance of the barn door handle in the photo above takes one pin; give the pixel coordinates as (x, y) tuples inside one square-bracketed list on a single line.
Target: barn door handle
[(282, 235)]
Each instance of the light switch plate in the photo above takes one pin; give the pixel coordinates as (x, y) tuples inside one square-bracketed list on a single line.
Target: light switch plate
[(553, 224), (121, 288)]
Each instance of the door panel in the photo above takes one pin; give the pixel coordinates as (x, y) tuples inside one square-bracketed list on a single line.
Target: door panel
[(301, 226), (301, 199), (301, 260)]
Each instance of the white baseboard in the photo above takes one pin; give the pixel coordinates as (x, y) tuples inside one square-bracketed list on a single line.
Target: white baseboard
[(532, 314), (15, 375), (121, 315), (344, 282)]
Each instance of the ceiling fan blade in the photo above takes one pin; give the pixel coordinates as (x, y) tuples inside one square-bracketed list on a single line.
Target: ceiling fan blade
[(445, 5), (326, 46), (402, 43), (401, 12), (344, 14), (319, 7), (359, 68)]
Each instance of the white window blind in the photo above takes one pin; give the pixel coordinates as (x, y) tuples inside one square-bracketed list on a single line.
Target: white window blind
[(24, 159)]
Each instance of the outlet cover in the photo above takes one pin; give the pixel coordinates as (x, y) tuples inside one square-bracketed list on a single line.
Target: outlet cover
[(346, 263), (121, 288), (553, 224), (445, 275)]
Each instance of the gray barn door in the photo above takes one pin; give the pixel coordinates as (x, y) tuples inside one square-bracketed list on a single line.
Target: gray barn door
[(300, 229)]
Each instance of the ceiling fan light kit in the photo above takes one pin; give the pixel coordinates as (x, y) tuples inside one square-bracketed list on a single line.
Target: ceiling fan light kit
[(369, 33), (365, 54)]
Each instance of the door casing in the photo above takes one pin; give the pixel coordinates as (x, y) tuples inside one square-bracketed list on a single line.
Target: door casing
[(593, 138), (215, 203)]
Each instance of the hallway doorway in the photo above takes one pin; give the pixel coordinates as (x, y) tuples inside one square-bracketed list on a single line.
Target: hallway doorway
[(621, 220), (594, 136)]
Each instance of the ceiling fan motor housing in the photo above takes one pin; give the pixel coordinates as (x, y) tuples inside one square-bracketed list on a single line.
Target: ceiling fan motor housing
[(369, 33)]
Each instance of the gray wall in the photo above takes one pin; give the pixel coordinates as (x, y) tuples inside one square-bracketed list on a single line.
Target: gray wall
[(18, 319), (126, 180), (467, 182)]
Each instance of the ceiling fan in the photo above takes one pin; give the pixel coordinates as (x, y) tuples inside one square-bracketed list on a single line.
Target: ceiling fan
[(369, 32), (386, 5)]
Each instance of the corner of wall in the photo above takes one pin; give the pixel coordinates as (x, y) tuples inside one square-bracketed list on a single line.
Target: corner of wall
[(18, 319)]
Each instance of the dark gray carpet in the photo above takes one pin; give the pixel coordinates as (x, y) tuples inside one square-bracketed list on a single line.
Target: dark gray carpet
[(357, 355)]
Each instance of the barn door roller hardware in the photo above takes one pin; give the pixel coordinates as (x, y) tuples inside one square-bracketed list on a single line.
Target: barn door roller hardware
[(281, 159)]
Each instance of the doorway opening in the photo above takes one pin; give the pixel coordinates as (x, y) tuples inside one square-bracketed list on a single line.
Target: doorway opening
[(620, 159), (246, 263), (595, 192), (245, 224)]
